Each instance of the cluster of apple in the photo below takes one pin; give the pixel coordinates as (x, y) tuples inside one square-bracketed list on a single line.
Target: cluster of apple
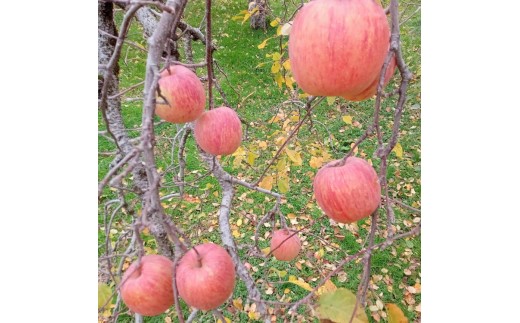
[(217, 131), (336, 48)]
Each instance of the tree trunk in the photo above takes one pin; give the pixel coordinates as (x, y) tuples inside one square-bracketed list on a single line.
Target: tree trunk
[(258, 19), (106, 46)]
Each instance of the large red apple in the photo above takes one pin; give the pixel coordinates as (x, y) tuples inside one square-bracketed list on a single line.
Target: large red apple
[(372, 89), (337, 47), (147, 289), (184, 94), (218, 131), (283, 249), (349, 192), (207, 279)]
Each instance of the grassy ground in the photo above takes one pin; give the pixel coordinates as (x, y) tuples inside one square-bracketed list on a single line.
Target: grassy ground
[(256, 96)]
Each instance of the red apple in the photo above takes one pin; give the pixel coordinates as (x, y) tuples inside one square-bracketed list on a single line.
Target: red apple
[(372, 89), (337, 47), (349, 192), (207, 279), (283, 249), (184, 94), (218, 131), (147, 289)]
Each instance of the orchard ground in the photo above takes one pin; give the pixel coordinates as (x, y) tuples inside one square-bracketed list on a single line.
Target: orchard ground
[(335, 125)]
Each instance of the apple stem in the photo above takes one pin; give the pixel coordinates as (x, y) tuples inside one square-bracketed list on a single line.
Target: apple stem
[(199, 258)]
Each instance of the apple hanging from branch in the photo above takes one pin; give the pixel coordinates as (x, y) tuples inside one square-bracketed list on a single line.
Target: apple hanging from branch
[(206, 276), (147, 289), (338, 47), (218, 131), (348, 192), (284, 245), (184, 95)]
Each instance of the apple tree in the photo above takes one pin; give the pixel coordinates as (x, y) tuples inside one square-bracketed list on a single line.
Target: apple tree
[(155, 257)]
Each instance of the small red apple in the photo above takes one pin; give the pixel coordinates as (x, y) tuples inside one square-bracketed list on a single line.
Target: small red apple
[(218, 131), (337, 47), (282, 249), (184, 94), (207, 279), (349, 192), (147, 289)]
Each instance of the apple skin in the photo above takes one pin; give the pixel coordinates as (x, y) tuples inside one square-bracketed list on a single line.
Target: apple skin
[(148, 290), (184, 92), (372, 89), (289, 248), (209, 283), (347, 193), (218, 131), (337, 47)]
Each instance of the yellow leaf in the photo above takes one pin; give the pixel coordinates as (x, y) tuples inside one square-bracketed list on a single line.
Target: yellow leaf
[(267, 183), (395, 314), (104, 293), (225, 318), (398, 150), (236, 234), (251, 158), (238, 303), (327, 287), (347, 119), (330, 100), (262, 145), (275, 68), (303, 95), (281, 165), (316, 162), (279, 30), (263, 44), (279, 79), (266, 251), (283, 184), (287, 64), (300, 282), (246, 16), (239, 152), (253, 315), (260, 65), (275, 22), (294, 156), (239, 222), (237, 17), (289, 81), (276, 56)]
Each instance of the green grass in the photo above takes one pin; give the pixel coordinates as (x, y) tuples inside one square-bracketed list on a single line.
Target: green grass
[(257, 101)]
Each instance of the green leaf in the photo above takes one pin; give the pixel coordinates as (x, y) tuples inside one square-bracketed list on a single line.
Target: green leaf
[(338, 306), (104, 293), (395, 314)]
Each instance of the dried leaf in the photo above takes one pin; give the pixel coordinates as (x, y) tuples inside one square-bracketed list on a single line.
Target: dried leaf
[(326, 288), (316, 162), (330, 100), (267, 182), (286, 28), (395, 314), (238, 303)]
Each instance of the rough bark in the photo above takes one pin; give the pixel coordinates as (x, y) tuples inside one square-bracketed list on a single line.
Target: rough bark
[(106, 46), (258, 19)]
